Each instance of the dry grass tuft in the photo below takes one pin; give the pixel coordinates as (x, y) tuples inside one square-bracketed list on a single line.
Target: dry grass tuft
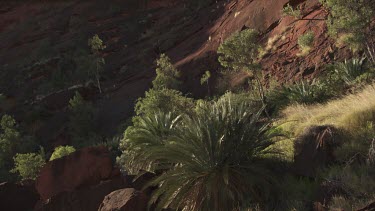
[(350, 113)]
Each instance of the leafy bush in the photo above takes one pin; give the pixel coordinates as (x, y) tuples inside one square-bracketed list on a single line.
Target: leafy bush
[(82, 122), (62, 151), (240, 51), (28, 165), (214, 160), (306, 92), (165, 100), (305, 43), (205, 77), (10, 138), (288, 10), (11, 142), (167, 76), (349, 20)]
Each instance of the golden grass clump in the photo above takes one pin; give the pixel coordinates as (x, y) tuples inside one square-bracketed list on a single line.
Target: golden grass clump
[(351, 113)]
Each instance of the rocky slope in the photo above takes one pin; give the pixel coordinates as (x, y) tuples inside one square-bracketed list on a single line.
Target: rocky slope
[(35, 37)]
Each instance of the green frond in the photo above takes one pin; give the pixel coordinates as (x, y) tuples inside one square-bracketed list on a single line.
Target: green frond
[(217, 159)]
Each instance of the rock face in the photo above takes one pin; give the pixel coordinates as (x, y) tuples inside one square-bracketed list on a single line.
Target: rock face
[(190, 41), (314, 149), (82, 168), (128, 199), (82, 180), (17, 197)]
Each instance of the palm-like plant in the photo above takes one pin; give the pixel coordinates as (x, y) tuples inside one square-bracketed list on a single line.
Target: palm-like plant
[(143, 140), (216, 160), (306, 92), (349, 70)]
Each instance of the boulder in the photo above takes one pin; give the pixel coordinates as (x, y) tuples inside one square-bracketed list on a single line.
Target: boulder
[(128, 199), (17, 197), (314, 149), (83, 168), (87, 199)]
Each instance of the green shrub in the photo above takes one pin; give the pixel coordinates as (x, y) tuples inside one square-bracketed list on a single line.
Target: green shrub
[(205, 77), (62, 151), (306, 92), (165, 100), (12, 141), (167, 76), (217, 159), (349, 70), (28, 165), (306, 42), (349, 20), (82, 122), (10, 138), (240, 51), (288, 10), (277, 98)]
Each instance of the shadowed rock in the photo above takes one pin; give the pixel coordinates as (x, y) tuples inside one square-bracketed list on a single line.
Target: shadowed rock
[(314, 149), (128, 199), (87, 199), (80, 169), (17, 197)]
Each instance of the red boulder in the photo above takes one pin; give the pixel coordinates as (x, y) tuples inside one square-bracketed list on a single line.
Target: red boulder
[(82, 168)]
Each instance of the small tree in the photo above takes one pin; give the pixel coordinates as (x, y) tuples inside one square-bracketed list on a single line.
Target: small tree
[(240, 52), (96, 45), (349, 21), (205, 77), (165, 100), (167, 76), (62, 151), (28, 165), (10, 142), (288, 10)]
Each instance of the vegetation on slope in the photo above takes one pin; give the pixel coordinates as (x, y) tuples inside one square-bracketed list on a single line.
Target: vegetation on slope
[(236, 151)]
